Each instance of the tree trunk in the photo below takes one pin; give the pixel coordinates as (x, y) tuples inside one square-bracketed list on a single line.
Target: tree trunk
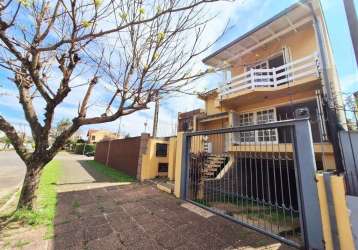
[(30, 185)]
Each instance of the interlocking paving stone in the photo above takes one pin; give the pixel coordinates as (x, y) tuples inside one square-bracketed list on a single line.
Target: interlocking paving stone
[(97, 232), (139, 217), (109, 242)]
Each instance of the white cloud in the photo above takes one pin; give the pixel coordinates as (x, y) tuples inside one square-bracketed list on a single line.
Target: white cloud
[(349, 82), (134, 124)]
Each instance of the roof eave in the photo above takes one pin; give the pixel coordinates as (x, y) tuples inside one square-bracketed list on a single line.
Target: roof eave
[(252, 31)]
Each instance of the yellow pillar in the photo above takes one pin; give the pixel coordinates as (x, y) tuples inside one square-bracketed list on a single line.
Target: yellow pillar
[(172, 158), (342, 214), (178, 164), (326, 224), (345, 237)]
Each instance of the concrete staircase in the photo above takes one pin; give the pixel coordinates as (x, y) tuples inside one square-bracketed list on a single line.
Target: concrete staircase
[(212, 166), (164, 184)]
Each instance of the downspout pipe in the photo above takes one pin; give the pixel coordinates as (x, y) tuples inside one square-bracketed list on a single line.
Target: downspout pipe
[(333, 121)]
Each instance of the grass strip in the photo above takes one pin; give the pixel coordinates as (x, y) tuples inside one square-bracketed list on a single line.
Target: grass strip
[(116, 175), (45, 210)]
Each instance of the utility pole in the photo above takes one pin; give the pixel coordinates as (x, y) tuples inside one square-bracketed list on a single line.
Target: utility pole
[(119, 128), (145, 126), (156, 114), (352, 24)]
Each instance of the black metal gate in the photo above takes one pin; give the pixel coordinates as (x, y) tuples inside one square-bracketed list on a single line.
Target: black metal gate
[(348, 143), (261, 176)]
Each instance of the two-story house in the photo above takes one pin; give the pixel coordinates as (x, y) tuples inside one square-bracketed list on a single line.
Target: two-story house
[(95, 135), (276, 70)]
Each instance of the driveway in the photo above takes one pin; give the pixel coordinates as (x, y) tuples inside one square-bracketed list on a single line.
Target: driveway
[(138, 216), (12, 172)]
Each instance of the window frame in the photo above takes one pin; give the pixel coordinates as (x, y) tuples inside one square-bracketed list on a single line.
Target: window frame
[(159, 152), (161, 165), (256, 133)]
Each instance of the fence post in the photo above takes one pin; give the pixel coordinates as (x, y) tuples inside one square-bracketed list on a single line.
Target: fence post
[(311, 222), (108, 152)]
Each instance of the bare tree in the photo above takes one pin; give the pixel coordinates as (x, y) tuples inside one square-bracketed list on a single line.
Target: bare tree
[(131, 51)]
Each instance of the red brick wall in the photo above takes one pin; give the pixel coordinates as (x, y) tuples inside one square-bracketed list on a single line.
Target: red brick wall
[(123, 154)]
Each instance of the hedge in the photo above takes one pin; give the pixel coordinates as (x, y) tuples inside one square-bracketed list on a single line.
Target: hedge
[(88, 148)]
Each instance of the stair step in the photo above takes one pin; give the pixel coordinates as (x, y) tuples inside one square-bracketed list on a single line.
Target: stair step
[(216, 158), (209, 170), (214, 163), (165, 187), (212, 167)]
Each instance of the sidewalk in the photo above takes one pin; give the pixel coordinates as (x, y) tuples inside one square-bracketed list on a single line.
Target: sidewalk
[(136, 216)]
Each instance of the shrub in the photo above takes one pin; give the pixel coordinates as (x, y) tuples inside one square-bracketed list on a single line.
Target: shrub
[(84, 148)]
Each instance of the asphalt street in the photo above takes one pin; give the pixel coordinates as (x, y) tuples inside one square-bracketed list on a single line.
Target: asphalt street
[(12, 172)]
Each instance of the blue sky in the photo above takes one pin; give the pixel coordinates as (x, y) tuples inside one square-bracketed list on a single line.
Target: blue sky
[(244, 15)]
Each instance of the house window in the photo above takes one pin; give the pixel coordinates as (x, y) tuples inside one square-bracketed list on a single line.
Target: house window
[(93, 137), (161, 149), (245, 120), (274, 61), (163, 168), (259, 117), (262, 117)]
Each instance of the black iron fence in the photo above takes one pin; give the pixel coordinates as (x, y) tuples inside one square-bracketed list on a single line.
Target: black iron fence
[(348, 142), (266, 183)]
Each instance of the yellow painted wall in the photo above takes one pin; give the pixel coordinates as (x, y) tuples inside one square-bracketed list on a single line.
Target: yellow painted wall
[(341, 211), (211, 105), (172, 158), (178, 164), (300, 44), (274, 102), (101, 135), (150, 161)]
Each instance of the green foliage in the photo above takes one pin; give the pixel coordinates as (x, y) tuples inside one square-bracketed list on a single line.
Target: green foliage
[(159, 9), (161, 36), (141, 11), (6, 141), (110, 172), (97, 3), (25, 3), (86, 24), (46, 202), (80, 141), (81, 148), (123, 16)]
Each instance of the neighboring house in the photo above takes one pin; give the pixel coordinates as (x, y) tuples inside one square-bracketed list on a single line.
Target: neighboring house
[(273, 72), (94, 136)]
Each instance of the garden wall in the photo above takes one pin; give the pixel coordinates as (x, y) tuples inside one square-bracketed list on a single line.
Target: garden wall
[(121, 154)]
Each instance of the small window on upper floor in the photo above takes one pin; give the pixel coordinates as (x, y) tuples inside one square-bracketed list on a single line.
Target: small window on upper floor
[(161, 149), (93, 137)]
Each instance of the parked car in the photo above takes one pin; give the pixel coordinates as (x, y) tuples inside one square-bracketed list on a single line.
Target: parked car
[(89, 153)]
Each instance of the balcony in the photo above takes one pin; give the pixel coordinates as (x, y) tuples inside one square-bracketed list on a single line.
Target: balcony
[(303, 70)]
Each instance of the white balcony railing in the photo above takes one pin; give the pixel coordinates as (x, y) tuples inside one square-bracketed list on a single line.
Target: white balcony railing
[(273, 77)]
